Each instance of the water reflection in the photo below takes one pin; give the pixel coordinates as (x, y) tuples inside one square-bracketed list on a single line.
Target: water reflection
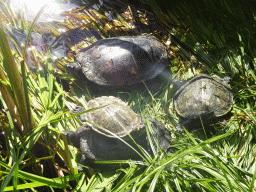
[(52, 12)]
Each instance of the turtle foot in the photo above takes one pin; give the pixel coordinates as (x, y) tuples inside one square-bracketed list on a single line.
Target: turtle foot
[(83, 162), (179, 129)]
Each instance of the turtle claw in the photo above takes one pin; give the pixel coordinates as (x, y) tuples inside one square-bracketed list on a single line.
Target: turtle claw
[(83, 162), (226, 79), (185, 124), (179, 129), (80, 168)]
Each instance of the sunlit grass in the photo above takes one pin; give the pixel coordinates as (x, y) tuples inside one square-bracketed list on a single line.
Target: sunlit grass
[(37, 111)]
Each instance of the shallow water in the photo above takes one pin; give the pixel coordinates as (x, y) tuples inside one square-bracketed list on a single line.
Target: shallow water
[(52, 12)]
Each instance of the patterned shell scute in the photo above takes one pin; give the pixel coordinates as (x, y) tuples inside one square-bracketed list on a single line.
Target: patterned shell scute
[(123, 60), (114, 116), (203, 95)]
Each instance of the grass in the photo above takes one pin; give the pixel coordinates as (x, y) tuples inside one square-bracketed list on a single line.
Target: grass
[(36, 110)]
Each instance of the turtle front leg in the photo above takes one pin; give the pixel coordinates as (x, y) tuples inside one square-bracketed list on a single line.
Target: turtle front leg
[(83, 162), (86, 150), (74, 136), (83, 133), (180, 129)]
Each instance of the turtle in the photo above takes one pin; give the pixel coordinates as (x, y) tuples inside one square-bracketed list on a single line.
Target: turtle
[(121, 61), (121, 124), (202, 96)]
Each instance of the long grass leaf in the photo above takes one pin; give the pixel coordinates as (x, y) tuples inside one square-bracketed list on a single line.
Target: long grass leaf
[(14, 77)]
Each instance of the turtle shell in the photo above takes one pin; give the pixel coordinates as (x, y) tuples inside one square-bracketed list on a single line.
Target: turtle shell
[(123, 60), (203, 95), (114, 115)]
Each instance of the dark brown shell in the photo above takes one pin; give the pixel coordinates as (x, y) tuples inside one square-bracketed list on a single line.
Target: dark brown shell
[(123, 60), (203, 95)]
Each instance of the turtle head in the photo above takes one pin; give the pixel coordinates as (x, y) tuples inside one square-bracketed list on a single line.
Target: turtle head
[(167, 75), (73, 137), (74, 67), (178, 84)]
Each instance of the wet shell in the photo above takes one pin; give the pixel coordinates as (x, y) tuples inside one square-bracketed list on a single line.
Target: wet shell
[(123, 60)]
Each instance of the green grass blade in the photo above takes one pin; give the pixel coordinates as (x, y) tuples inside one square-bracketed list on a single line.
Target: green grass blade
[(13, 74)]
